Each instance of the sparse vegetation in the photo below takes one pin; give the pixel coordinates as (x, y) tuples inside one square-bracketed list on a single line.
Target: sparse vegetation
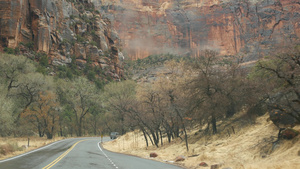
[(93, 43), (80, 39), (205, 90)]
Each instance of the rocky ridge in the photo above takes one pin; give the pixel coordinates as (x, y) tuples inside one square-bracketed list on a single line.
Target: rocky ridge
[(65, 30), (250, 28)]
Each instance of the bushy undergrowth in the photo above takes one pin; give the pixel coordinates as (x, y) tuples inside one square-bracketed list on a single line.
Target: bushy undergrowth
[(9, 148)]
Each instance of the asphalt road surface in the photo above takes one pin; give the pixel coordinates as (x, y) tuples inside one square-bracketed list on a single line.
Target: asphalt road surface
[(79, 153)]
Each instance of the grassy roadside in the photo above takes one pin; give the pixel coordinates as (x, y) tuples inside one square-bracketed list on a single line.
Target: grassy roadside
[(249, 148), (10, 146)]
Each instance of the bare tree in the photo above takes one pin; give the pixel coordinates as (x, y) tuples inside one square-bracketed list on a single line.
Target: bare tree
[(119, 97), (283, 73)]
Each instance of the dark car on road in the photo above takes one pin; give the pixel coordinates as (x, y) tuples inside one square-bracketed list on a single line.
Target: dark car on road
[(114, 135)]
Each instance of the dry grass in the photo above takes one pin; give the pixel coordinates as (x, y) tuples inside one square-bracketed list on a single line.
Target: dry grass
[(10, 146), (250, 148)]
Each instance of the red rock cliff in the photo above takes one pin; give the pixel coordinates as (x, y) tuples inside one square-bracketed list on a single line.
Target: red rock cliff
[(62, 29), (249, 28)]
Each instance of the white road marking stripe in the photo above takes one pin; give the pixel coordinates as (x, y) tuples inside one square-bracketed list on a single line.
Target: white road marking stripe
[(107, 156)]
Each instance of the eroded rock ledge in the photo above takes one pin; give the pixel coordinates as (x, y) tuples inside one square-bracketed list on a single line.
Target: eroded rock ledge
[(63, 29)]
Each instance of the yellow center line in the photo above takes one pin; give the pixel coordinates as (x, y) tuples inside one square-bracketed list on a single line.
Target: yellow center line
[(62, 156)]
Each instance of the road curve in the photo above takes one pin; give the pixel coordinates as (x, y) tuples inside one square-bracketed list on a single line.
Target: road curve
[(79, 153)]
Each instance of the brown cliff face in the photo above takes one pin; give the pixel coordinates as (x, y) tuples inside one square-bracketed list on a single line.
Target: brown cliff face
[(61, 29), (250, 28)]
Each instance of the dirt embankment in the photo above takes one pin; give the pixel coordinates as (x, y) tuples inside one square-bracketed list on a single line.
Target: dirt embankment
[(251, 147)]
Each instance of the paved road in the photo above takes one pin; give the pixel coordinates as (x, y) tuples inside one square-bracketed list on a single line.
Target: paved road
[(79, 153)]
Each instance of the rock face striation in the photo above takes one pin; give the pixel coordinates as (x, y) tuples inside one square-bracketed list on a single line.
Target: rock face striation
[(65, 30), (251, 28)]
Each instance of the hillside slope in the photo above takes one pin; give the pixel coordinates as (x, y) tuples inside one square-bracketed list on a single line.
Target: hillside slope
[(250, 148)]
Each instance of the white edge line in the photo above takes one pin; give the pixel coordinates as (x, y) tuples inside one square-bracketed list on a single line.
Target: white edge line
[(21, 155), (107, 156), (99, 146)]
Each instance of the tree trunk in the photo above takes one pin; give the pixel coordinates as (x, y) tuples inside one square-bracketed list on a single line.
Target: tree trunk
[(154, 138), (60, 131), (41, 132), (214, 124), (149, 137), (95, 128), (122, 120), (145, 136), (169, 137), (79, 126), (186, 138), (230, 110), (207, 128), (49, 135), (161, 140)]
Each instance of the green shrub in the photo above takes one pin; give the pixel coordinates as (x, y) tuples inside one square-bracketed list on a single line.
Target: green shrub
[(93, 33), (93, 43), (65, 72), (9, 50), (29, 45), (41, 69), (99, 83), (69, 74), (65, 42), (72, 17), (43, 59), (80, 38), (17, 51), (91, 75)]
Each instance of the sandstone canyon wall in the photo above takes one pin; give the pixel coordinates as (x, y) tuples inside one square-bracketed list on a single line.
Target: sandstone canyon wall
[(250, 28), (63, 29)]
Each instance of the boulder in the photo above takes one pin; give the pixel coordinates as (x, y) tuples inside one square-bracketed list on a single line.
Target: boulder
[(92, 52), (80, 51), (100, 52), (203, 164), (81, 63), (60, 60), (121, 56), (81, 28), (24, 147), (282, 119), (179, 158), (68, 34), (88, 14), (104, 66), (68, 9), (289, 133), (95, 64), (215, 166), (153, 155), (102, 61), (116, 76)]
